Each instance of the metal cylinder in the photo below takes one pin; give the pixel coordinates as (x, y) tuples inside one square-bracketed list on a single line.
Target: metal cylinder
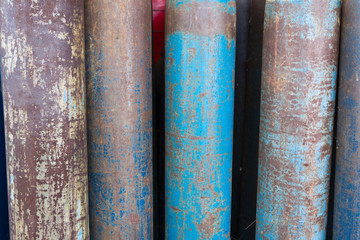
[(300, 56), (118, 51), (199, 109), (43, 73), (347, 180)]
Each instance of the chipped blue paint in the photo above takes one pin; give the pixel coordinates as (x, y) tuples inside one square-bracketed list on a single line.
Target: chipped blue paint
[(347, 181), (119, 118), (199, 129), (297, 113)]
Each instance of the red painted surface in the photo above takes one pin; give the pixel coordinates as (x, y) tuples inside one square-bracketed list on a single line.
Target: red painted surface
[(158, 27)]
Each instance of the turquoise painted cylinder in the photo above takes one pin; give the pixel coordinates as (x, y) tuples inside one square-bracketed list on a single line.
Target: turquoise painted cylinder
[(299, 72), (199, 110)]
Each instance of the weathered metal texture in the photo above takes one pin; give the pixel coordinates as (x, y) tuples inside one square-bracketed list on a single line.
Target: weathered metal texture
[(347, 180), (119, 92), (199, 89), (300, 58), (43, 73), (4, 212), (250, 140), (242, 26)]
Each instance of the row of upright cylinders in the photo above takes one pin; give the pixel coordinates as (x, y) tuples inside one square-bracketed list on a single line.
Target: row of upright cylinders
[(77, 92)]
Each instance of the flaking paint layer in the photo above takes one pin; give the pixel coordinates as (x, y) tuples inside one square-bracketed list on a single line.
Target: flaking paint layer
[(43, 73), (296, 122), (200, 67), (119, 107)]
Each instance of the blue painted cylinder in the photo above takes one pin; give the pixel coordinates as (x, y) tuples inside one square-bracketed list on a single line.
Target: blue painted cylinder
[(199, 89), (347, 180), (299, 72), (119, 105)]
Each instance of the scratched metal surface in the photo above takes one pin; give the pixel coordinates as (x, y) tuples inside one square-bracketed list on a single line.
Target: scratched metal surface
[(300, 57), (43, 73), (199, 96), (347, 184), (119, 107), (4, 212)]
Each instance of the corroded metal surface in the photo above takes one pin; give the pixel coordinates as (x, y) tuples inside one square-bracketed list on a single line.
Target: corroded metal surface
[(250, 140), (199, 89), (43, 73), (242, 26), (297, 111), (118, 48), (347, 182)]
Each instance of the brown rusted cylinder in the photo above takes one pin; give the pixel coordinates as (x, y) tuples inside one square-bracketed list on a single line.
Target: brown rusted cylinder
[(43, 73), (119, 92), (299, 72)]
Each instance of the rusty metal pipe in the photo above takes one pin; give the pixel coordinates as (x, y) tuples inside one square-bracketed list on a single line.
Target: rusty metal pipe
[(300, 56), (43, 73), (199, 109), (347, 180), (118, 60)]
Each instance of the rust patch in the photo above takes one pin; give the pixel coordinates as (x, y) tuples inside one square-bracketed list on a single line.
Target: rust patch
[(202, 18)]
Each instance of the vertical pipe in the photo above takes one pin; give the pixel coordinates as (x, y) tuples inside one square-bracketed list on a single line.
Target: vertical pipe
[(300, 58), (118, 50), (4, 212), (43, 70), (242, 27), (199, 88), (347, 180), (249, 163)]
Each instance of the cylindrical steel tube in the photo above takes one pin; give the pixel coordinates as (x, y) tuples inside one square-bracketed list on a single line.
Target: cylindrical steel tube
[(199, 89), (347, 180), (300, 56), (43, 70), (118, 51)]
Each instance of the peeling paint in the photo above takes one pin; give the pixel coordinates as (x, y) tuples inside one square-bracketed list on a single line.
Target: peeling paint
[(119, 106), (46, 137), (299, 71), (200, 68)]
